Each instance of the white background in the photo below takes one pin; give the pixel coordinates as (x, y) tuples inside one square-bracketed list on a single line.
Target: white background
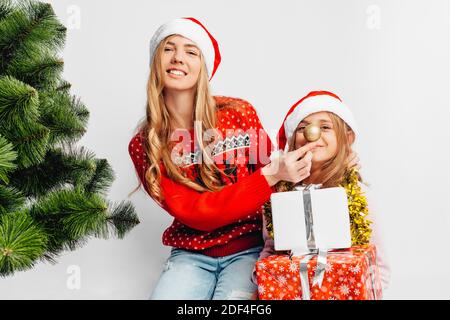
[(388, 60)]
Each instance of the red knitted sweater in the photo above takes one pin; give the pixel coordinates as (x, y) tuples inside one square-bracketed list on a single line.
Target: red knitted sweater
[(227, 221)]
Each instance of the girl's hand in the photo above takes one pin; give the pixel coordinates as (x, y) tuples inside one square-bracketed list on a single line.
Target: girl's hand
[(293, 166), (353, 161)]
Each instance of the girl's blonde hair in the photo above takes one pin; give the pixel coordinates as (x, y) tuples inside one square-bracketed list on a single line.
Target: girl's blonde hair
[(334, 170), (156, 129)]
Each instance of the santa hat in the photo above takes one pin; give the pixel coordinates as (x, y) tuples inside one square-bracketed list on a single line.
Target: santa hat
[(313, 102), (193, 30)]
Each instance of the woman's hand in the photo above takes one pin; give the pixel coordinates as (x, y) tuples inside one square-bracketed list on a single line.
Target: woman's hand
[(353, 161), (293, 166)]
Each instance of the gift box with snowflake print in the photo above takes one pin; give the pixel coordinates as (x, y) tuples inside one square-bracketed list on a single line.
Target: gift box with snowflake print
[(350, 274)]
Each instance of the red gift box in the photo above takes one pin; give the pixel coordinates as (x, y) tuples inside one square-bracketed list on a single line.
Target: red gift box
[(350, 274)]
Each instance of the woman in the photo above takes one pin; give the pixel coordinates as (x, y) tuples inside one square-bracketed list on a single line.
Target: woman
[(205, 161)]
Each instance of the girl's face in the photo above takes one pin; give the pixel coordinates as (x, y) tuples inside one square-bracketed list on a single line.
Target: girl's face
[(181, 63), (327, 144)]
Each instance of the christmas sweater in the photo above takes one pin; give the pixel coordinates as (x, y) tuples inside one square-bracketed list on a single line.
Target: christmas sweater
[(229, 220)]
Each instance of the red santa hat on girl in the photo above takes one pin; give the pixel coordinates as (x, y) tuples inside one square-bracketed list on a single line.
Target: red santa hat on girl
[(315, 101), (193, 30)]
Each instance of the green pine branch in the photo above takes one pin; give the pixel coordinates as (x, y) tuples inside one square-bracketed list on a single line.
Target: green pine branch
[(122, 218), (51, 192), (5, 9), (7, 157), (30, 142), (101, 179), (63, 86), (80, 110), (75, 168), (19, 103), (11, 199), (22, 242), (70, 215), (60, 114), (30, 29), (42, 72)]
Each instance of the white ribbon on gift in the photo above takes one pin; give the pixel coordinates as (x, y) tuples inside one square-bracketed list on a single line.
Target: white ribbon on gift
[(319, 275), (320, 252), (313, 250)]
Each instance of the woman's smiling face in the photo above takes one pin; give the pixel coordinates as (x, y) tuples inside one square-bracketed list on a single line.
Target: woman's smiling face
[(181, 63), (327, 144)]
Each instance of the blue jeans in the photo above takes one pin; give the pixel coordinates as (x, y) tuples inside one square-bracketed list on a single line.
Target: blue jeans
[(194, 276)]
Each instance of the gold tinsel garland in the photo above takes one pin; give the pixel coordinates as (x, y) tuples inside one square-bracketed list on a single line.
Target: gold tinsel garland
[(357, 207)]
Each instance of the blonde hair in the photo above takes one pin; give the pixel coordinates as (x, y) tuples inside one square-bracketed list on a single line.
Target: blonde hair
[(334, 170), (156, 130)]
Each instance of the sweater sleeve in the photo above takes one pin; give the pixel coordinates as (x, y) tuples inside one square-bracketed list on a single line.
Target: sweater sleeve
[(377, 238), (208, 211), (205, 211)]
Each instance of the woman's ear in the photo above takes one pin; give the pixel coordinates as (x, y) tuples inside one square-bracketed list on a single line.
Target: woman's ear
[(351, 137)]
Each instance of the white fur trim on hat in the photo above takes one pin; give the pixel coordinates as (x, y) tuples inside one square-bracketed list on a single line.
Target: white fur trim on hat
[(188, 29)]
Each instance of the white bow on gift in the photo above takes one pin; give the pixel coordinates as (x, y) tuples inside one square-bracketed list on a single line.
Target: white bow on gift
[(324, 225)]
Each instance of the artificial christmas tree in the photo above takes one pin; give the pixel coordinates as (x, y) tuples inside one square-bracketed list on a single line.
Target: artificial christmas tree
[(51, 191)]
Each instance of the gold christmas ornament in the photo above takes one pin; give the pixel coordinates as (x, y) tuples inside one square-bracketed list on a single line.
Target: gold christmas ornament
[(312, 132)]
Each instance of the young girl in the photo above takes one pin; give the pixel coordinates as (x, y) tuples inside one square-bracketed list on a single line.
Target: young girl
[(205, 161), (328, 167)]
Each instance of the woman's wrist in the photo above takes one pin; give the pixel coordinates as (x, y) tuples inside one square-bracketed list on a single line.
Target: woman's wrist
[(270, 177)]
